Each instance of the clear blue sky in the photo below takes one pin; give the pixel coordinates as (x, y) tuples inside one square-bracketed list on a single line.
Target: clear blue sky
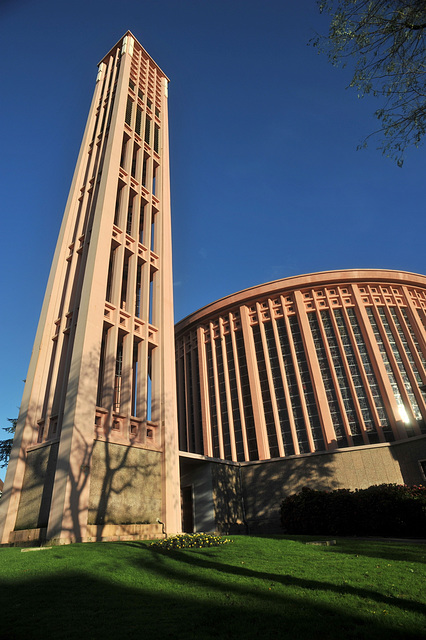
[(266, 179)]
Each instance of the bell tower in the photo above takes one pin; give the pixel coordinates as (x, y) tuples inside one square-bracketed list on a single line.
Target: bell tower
[(95, 454)]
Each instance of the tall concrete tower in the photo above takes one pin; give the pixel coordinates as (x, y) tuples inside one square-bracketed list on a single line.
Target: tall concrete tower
[(95, 454)]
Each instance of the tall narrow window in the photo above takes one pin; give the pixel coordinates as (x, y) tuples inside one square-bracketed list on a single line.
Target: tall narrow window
[(357, 382), (153, 216), (117, 206), (212, 401), (123, 150), (149, 388), (223, 407), (103, 119), (124, 282), (370, 375), (239, 446), (138, 123), (157, 139), (340, 372), (118, 373), (154, 180), (108, 295), (279, 390), (293, 388), (266, 393), (142, 221), (135, 371), (144, 169), (147, 130), (327, 377), (134, 160), (138, 290), (101, 368), (403, 415), (130, 213), (151, 315), (129, 109)]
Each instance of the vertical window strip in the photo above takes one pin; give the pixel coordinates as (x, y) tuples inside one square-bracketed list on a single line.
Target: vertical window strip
[(183, 440), (246, 398), (398, 358), (135, 375), (279, 391), (142, 220), (413, 336), (105, 109), (212, 401), (110, 110), (367, 414), (138, 292), (222, 399), (147, 137), (129, 109), (96, 121), (302, 365), (370, 375), (336, 416), (129, 214), (266, 394), (99, 395), (292, 385), (234, 398), (422, 317), (138, 123), (308, 390), (405, 345), (396, 392), (196, 401), (118, 373), (189, 404), (156, 138)]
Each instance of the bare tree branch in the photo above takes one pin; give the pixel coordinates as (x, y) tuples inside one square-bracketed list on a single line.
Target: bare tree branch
[(386, 39)]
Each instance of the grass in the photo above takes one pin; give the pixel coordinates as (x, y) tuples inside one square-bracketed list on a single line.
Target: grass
[(256, 587)]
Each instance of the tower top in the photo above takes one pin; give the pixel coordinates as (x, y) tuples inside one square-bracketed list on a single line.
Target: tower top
[(137, 45)]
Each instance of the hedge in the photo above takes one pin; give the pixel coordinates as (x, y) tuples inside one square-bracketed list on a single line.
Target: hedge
[(381, 510)]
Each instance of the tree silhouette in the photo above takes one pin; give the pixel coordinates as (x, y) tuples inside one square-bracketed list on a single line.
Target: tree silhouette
[(387, 41), (6, 445)]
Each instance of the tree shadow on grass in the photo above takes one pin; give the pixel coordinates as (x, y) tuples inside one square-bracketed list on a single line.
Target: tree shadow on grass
[(390, 551), (393, 550), (206, 567), (76, 605)]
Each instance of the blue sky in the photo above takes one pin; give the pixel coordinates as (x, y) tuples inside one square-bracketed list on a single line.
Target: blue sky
[(265, 177)]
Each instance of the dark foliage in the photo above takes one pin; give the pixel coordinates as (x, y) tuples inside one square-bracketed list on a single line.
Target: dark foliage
[(381, 510), (385, 44), (6, 445)]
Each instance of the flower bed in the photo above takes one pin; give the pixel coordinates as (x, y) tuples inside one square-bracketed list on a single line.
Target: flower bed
[(190, 541)]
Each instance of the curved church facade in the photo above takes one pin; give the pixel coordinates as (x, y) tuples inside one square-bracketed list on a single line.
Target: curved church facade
[(321, 372)]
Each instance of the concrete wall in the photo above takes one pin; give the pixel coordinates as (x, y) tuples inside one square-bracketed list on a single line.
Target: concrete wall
[(37, 486), (199, 477), (267, 483), (125, 485), (227, 498)]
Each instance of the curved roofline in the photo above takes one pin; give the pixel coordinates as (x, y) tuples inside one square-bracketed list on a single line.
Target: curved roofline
[(296, 282)]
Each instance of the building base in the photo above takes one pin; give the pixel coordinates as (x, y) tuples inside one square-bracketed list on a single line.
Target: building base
[(94, 533), (232, 498)]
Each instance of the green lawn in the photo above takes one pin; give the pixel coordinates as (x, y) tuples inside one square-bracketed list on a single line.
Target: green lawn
[(257, 587)]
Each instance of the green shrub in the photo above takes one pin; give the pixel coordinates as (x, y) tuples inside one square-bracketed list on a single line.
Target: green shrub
[(381, 510), (190, 541)]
